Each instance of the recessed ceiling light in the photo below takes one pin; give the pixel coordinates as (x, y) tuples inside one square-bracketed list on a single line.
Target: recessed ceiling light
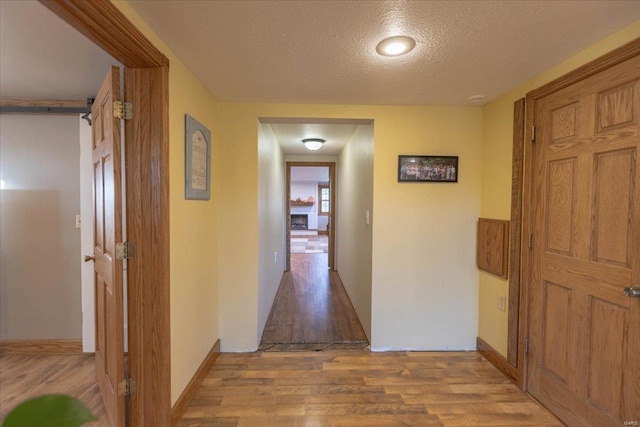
[(396, 46), (313, 144), (475, 99)]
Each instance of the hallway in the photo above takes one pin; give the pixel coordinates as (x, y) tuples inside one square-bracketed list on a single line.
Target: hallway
[(311, 310)]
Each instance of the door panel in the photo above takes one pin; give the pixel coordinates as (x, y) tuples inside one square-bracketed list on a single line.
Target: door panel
[(584, 332), (109, 353)]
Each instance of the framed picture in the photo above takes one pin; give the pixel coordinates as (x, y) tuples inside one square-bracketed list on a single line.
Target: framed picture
[(197, 160), (427, 168)]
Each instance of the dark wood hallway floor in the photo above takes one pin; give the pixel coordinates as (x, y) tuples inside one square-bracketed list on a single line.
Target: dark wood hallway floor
[(312, 310)]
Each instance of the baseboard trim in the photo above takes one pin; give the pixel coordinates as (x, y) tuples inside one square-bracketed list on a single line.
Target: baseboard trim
[(41, 346), (183, 402), (496, 359)]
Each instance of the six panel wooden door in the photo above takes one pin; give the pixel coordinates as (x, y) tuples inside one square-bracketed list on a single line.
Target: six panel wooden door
[(584, 353), (107, 199)]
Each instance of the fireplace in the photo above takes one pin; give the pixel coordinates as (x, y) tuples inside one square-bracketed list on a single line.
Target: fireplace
[(299, 221)]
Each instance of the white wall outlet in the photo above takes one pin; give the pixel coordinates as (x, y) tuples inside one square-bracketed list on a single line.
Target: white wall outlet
[(366, 217), (502, 302), (275, 257), (78, 221)]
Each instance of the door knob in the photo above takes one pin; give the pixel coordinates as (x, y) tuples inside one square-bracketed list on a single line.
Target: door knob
[(632, 292), (88, 258)]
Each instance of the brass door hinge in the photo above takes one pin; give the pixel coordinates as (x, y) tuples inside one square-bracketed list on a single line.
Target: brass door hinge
[(533, 134), (125, 250), (122, 110), (126, 387)]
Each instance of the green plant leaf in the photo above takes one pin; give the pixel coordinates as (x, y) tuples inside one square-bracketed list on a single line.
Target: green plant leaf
[(51, 410)]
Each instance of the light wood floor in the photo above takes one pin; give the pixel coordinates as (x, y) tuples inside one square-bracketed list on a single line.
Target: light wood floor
[(23, 376), (311, 307), (330, 388), (360, 388)]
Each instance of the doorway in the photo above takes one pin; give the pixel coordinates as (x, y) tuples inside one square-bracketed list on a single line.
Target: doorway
[(147, 87), (310, 211)]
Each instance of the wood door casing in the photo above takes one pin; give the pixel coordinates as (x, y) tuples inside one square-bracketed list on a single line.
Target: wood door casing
[(332, 213), (149, 359), (107, 196), (584, 333)]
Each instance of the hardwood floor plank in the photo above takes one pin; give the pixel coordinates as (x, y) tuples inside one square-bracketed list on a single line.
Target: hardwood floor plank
[(360, 388), (24, 376), (335, 388), (311, 308)]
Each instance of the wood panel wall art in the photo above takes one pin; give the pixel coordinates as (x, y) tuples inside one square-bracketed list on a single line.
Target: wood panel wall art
[(492, 253)]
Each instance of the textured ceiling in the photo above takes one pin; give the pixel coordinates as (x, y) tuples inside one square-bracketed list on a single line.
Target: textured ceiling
[(337, 133), (319, 51), (324, 51)]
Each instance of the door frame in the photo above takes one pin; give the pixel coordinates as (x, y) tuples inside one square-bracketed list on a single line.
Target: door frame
[(604, 62), (147, 179), (332, 214)]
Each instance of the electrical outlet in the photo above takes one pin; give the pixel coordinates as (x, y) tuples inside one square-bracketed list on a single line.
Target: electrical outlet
[(78, 221), (502, 302)]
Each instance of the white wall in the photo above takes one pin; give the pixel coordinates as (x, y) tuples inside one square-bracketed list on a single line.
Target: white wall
[(302, 190), (40, 245), (271, 221), (353, 234)]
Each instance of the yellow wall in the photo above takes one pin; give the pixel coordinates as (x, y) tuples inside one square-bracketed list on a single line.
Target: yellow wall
[(193, 235), (424, 289), (496, 176)]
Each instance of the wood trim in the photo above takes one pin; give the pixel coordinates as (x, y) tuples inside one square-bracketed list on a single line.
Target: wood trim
[(148, 227), (515, 231), (525, 260), (41, 346), (147, 157), (105, 25), (496, 359), (332, 215), (183, 402), (59, 103), (602, 63)]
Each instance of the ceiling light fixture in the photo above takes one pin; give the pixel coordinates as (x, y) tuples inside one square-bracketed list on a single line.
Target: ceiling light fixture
[(396, 46), (313, 144), (476, 99)]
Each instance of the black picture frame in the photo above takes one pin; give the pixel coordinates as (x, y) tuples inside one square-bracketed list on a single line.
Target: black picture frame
[(428, 168), (197, 160)]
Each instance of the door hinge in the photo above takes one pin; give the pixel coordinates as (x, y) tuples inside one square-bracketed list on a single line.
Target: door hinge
[(125, 250), (122, 110), (526, 346), (127, 387), (533, 134), (530, 242)]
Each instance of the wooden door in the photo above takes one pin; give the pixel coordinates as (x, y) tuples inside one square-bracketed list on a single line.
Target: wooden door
[(107, 199), (584, 348)]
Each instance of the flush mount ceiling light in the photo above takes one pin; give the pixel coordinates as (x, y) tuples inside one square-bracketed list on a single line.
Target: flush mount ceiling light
[(396, 46), (313, 144), (476, 99)]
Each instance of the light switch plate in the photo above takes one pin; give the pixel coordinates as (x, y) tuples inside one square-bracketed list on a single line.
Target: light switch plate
[(502, 302), (78, 221)]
